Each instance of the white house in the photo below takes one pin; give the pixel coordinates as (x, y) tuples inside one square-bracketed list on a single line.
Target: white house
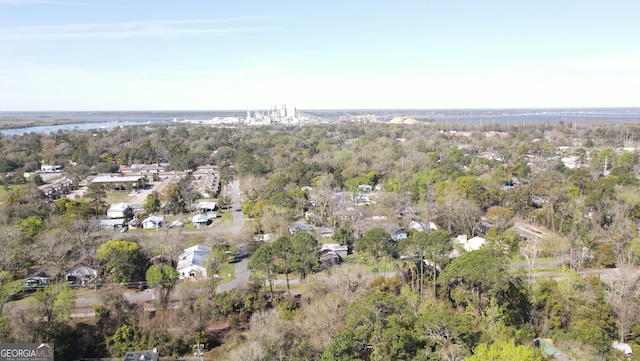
[(116, 223), (118, 210), (208, 208), (418, 226), (51, 168), (193, 262), (472, 244), (200, 220), (153, 222)]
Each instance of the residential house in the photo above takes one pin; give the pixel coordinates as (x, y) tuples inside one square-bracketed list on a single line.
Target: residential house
[(469, 245), (111, 223), (51, 168), (301, 227), (193, 262), (36, 281), (153, 222), (419, 226), (332, 253), (151, 355), (200, 220), (397, 234), (175, 224), (81, 275), (325, 232), (119, 210), (340, 249), (208, 208)]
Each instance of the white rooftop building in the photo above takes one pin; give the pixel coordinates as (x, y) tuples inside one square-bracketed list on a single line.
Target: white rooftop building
[(193, 262), (117, 210)]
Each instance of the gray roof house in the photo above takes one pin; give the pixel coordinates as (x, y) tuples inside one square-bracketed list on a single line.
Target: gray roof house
[(153, 222), (200, 220), (301, 227), (151, 355), (193, 262), (118, 210), (111, 223), (80, 275)]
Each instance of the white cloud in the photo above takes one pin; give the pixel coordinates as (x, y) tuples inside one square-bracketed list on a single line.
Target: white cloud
[(119, 30)]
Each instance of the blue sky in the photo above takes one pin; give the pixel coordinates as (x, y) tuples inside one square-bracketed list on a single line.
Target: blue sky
[(208, 55)]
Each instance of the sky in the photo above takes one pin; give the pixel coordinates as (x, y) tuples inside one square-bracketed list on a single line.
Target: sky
[(329, 54)]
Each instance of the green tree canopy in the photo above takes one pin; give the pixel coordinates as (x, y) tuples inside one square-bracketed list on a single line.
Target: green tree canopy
[(377, 242), (505, 351), (262, 262), (55, 302), (123, 260), (477, 272), (163, 279), (152, 202), (305, 249)]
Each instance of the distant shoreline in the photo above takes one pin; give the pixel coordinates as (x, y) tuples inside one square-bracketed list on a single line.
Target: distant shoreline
[(52, 121)]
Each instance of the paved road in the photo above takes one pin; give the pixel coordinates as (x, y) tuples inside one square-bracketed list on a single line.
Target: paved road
[(241, 271)]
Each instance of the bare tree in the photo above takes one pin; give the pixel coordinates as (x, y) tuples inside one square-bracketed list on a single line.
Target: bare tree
[(10, 240), (55, 249), (624, 293), (530, 253)]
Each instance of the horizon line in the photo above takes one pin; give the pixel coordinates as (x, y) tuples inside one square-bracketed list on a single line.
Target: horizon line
[(318, 109)]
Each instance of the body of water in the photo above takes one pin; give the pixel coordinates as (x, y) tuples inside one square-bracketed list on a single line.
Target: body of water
[(110, 120), (77, 126)]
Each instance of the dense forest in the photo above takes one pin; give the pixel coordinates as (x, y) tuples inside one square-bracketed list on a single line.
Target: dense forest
[(391, 299)]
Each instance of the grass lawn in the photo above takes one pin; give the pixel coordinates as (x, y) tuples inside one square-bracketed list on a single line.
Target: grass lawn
[(227, 273), (226, 216), (518, 260), (117, 197), (368, 262)]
